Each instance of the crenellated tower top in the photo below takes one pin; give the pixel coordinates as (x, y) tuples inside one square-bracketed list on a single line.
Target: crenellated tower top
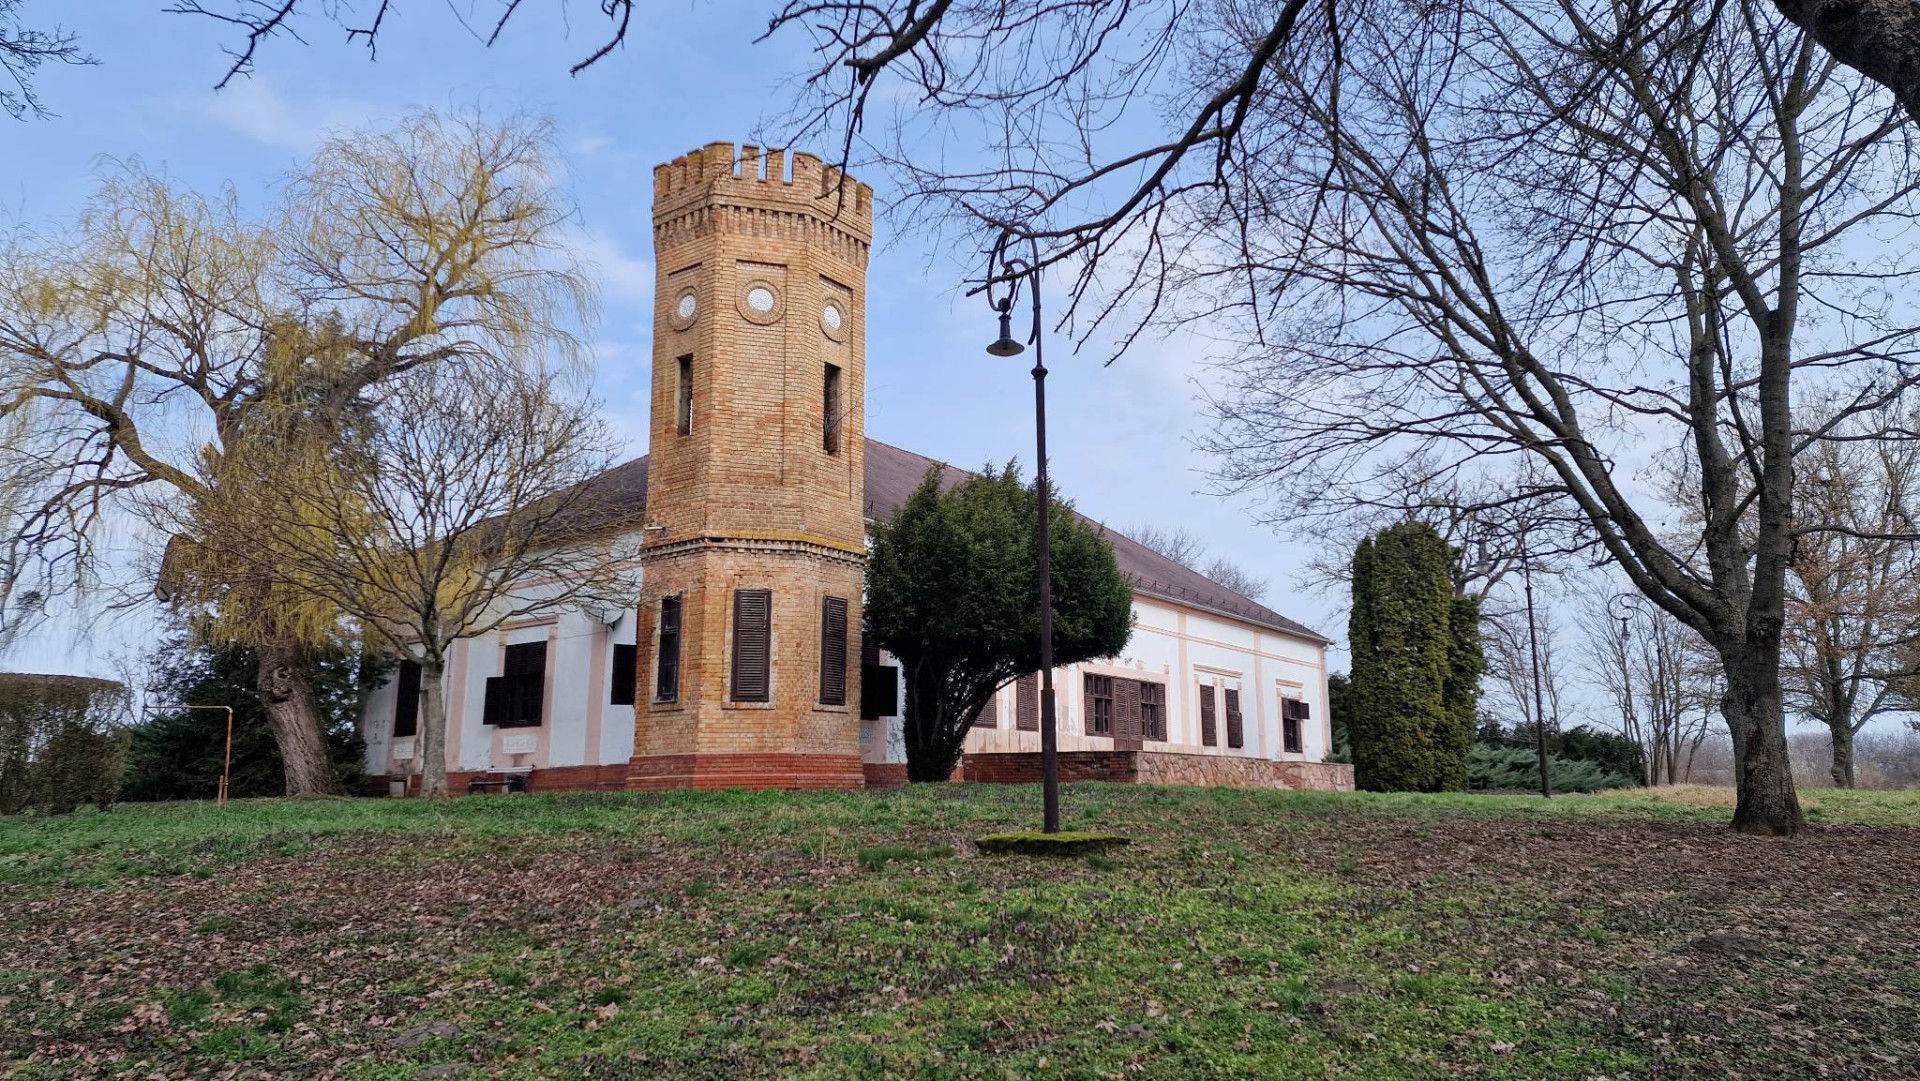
[(746, 191)]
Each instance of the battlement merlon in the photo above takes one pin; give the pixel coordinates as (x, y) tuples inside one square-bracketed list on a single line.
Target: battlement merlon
[(751, 178)]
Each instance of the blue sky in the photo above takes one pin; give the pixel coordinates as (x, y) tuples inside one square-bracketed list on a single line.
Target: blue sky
[(1120, 435)]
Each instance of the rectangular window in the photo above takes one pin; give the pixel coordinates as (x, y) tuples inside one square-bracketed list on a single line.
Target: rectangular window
[(752, 645), (1236, 731), (516, 698), (1293, 717), (1099, 705), (683, 397), (833, 651), (666, 679), (406, 701), (1209, 731), (830, 410), (1153, 710), (989, 715), (625, 659), (1026, 703)]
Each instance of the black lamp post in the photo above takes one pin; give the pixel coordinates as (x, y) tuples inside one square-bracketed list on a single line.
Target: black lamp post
[(1008, 346)]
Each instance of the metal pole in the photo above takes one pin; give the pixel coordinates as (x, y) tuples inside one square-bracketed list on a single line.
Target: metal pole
[(226, 762), (1049, 740), (1539, 708)]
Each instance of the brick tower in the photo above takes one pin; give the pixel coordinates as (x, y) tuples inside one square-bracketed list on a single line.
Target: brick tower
[(755, 535)]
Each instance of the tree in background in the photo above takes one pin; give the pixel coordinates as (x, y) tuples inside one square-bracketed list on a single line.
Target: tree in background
[(142, 347), (458, 501), (1340, 717), (178, 755), (62, 742), (1853, 611), (1416, 664), (953, 591), (1181, 546)]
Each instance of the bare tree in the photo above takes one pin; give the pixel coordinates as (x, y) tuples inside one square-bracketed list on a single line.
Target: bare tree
[(460, 502), (1853, 610), (1183, 547), (1483, 260), (23, 49), (140, 348), (1661, 680), (1177, 543)]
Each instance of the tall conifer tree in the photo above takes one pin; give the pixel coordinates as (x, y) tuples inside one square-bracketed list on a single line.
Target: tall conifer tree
[(1416, 663)]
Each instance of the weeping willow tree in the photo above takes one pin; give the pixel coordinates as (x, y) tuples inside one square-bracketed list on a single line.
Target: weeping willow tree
[(460, 500), (167, 329)]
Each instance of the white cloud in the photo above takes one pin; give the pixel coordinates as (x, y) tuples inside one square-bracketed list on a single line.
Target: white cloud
[(623, 278), (254, 109)]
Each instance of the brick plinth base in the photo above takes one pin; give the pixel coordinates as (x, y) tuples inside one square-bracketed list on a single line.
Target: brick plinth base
[(654, 772), (885, 774), (1160, 767)]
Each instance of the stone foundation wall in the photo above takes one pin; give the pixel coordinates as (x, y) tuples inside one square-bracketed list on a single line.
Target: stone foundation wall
[(1230, 772), (1159, 767)]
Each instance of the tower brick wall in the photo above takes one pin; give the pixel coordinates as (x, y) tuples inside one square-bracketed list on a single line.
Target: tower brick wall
[(756, 477)]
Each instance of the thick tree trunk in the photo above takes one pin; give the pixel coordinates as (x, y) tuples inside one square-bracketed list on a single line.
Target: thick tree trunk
[(1842, 755), (433, 730), (1878, 38), (1766, 804), (929, 757), (286, 693)]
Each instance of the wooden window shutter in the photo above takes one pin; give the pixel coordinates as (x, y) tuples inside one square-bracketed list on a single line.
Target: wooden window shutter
[(625, 660), (752, 643), (1236, 732), (495, 710), (833, 651), (989, 715), (666, 679), (1026, 703), (1209, 729), (406, 700), (1126, 711)]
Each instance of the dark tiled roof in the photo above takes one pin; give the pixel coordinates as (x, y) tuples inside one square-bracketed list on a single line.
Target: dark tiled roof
[(891, 476)]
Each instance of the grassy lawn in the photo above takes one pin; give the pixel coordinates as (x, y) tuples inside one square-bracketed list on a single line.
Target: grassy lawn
[(747, 935)]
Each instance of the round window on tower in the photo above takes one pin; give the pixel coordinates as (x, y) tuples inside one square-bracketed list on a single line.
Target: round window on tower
[(685, 307), (833, 320), (760, 301)]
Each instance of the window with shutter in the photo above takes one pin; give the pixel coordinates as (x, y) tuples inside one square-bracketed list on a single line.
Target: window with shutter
[(1026, 703), (1153, 711), (666, 679), (833, 651), (1236, 731), (1293, 716), (1099, 705), (625, 660), (752, 644), (1209, 730), (523, 683), (989, 715), (406, 700)]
